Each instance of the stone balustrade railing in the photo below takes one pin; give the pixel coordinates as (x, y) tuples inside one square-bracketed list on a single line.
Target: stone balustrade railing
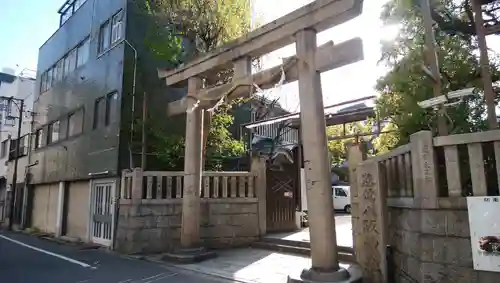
[(397, 171), (471, 163), (169, 184)]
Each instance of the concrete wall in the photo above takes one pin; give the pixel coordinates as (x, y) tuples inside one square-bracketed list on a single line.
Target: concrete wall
[(44, 212), (403, 202), (154, 225), (78, 210), (433, 245)]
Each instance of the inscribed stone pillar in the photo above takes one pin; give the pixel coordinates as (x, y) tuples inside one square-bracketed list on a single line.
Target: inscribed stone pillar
[(193, 160), (259, 167), (316, 164), (372, 238), (424, 169), (356, 153)]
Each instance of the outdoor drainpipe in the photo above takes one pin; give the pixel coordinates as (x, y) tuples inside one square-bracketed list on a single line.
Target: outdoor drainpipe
[(14, 190), (117, 196), (134, 80)]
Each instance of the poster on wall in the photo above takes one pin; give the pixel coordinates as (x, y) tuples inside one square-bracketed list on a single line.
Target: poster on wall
[(484, 226)]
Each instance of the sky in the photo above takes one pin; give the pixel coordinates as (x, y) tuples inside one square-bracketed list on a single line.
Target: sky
[(26, 24), (346, 83)]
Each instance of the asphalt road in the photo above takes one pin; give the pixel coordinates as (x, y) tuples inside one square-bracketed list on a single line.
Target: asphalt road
[(28, 259)]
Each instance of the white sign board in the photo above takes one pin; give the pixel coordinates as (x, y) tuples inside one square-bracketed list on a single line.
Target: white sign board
[(484, 226)]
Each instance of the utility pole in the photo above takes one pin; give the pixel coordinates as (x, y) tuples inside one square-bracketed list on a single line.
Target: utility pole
[(26, 172), (16, 159), (431, 60), (489, 94)]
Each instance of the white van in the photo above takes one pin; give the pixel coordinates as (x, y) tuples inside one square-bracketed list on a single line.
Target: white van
[(341, 198)]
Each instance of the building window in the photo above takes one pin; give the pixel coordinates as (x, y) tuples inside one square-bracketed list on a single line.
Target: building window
[(83, 53), (54, 132), (39, 138), (75, 123), (69, 9), (54, 74), (49, 77), (75, 58), (43, 82), (77, 4), (99, 104), (104, 37), (23, 143), (59, 69), (9, 120), (111, 108), (4, 148), (117, 27), (65, 16), (70, 62)]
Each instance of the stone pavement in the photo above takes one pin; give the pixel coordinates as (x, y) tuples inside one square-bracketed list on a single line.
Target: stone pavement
[(343, 229), (250, 265)]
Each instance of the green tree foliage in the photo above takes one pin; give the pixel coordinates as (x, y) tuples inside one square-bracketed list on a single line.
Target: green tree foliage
[(184, 29), (220, 143), (343, 135), (187, 28), (406, 84)]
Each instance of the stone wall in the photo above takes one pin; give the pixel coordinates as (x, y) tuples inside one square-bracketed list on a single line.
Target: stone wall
[(433, 245), (153, 226)]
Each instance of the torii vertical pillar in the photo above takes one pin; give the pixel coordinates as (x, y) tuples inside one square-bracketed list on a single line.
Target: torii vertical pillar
[(193, 160), (324, 253), (191, 248)]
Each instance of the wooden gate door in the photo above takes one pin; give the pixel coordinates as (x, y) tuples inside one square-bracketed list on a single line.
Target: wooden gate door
[(282, 198)]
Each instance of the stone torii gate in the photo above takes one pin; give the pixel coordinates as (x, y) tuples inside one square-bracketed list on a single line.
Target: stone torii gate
[(301, 27)]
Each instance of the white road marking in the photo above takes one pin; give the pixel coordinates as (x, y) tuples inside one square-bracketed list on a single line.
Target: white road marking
[(150, 277), (125, 281), (154, 278), (161, 277), (83, 264)]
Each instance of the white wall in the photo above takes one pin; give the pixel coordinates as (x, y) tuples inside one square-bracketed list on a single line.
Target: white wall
[(20, 88)]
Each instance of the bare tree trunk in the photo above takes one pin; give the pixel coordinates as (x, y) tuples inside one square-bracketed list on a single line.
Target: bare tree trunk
[(489, 94), (433, 64), (207, 118)]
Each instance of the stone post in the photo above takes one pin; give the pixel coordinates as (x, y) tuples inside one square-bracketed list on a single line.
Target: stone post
[(60, 209), (424, 169), (259, 167), (324, 253), (371, 235), (356, 153), (136, 185), (193, 161)]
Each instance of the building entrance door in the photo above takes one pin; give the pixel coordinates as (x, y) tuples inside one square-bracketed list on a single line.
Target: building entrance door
[(102, 209)]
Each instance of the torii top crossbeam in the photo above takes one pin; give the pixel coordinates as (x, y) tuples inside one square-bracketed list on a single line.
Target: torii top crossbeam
[(318, 15)]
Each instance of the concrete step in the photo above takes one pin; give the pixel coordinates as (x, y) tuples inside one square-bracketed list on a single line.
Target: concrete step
[(300, 244), (298, 247), (282, 248)]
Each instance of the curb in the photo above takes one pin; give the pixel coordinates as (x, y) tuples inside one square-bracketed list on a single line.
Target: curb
[(58, 240)]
